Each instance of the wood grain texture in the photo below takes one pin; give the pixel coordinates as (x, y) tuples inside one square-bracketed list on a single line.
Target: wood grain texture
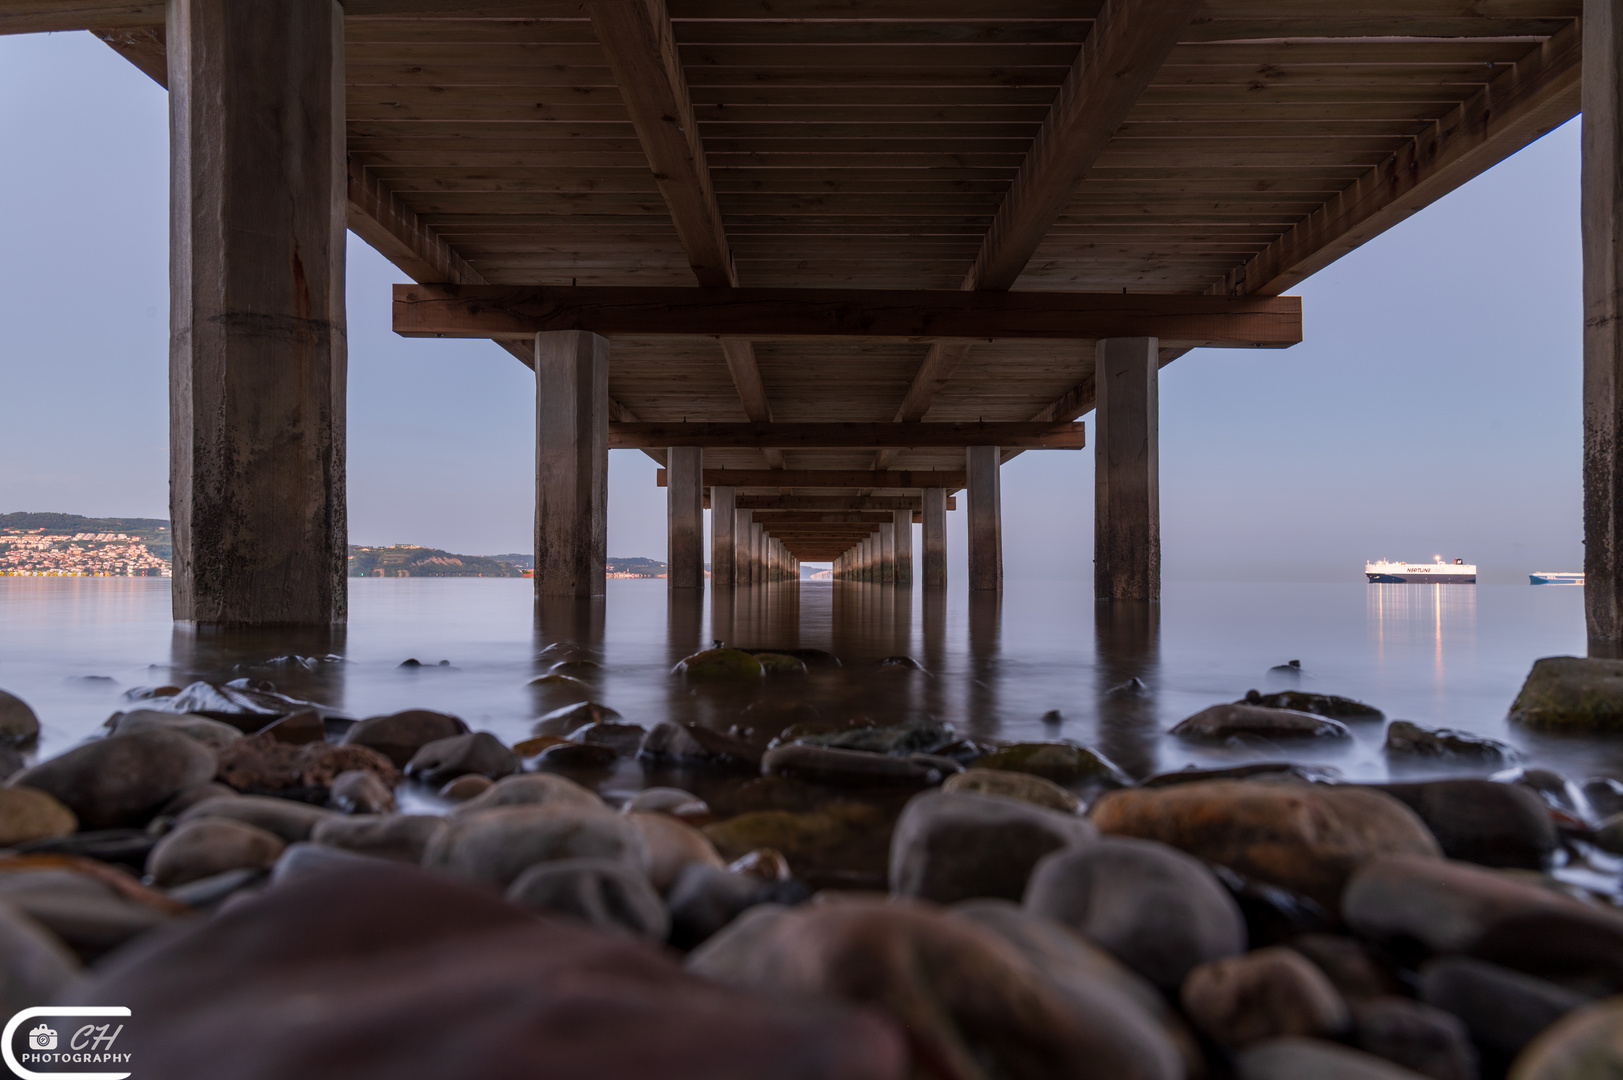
[(827, 478), (816, 436)]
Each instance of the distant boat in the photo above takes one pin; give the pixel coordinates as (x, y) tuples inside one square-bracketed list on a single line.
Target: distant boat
[(1556, 577), (1458, 572)]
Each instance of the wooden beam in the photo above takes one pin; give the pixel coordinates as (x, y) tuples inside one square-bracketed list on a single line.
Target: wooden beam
[(818, 436), (775, 519), (1523, 102), (640, 46), (835, 502), (1184, 320), (1602, 223), (56, 16), (828, 478)]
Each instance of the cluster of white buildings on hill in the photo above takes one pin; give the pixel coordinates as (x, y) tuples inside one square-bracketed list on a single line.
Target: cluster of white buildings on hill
[(41, 554)]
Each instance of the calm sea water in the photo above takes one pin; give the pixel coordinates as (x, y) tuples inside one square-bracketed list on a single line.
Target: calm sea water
[(1441, 655)]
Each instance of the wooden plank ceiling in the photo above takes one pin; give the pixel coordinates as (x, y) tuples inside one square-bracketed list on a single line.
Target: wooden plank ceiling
[(1230, 146)]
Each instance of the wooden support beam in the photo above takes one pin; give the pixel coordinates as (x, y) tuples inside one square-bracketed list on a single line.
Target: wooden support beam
[(571, 464), (935, 539), (828, 478), (902, 534), (57, 16), (985, 518), (1024, 435), (685, 505), (1126, 474), (743, 530), (723, 548), (1524, 101), (882, 315), (836, 502), (1602, 221)]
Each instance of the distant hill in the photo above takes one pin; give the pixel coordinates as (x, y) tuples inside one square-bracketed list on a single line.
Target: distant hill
[(409, 560), (154, 532)]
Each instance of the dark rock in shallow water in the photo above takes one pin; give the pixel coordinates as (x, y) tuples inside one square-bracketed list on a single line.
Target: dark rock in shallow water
[(1571, 693), (682, 805), (623, 739), (706, 898), (949, 847), (1411, 741), (1155, 909), (856, 768), (124, 781), (1297, 1058), (398, 736), (1065, 763), (842, 842), (579, 669), (1504, 1010), (360, 792), (915, 737), (720, 664), (204, 847), (444, 760), (420, 963), (259, 764), (290, 820), (1262, 771), (667, 741), (810, 657), (971, 1003), (1421, 1037), (570, 718), (605, 893), (1605, 795), (18, 724), (1220, 723), (780, 664), (1331, 705), (1307, 838), (401, 837), (34, 964), (1273, 915), (570, 755), (1482, 821), (1267, 994)]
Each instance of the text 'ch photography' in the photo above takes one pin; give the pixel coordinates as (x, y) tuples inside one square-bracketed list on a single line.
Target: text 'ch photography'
[(761, 748)]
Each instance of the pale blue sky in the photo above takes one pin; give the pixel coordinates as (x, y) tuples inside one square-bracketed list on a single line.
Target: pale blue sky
[(1433, 409)]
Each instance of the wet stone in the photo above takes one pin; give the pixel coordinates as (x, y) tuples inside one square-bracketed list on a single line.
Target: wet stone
[(398, 736), (1267, 994), (603, 892), (400, 837), (207, 893), (111, 783), (720, 664), (27, 814), (1482, 821), (1417, 1036), (559, 686), (531, 789), (1571, 693), (1221, 723), (568, 719), (1406, 741), (1504, 1010), (18, 724), (1605, 795), (682, 805), (477, 752), (213, 734), (361, 792), (466, 787), (496, 846), (949, 847), (258, 764), (290, 820), (85, 910), (1551, 786), (189, 798), (579, 669), (125, 847), (704, 899), (764, 863), (1349, 965), (841, 842), (1331, 705), (623, 739), (1011, 785), (304, 726), (1297, 1058), (1065, 763), (12, 761), (305, 859), (1260, 771), (672, 847), (35, 967), (915, 737), (779, 665), (1152, 907), (1585, 1045), (204, 847), (1609, 834), (569, 755), (667, 741), (856, 768)]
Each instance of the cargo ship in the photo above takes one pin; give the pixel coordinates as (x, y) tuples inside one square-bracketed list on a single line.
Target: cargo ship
[(1458, 572), (1557, 577)]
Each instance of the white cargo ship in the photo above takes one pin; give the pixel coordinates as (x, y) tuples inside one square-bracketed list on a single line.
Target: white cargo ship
[(1438, 572), (1557, 577)]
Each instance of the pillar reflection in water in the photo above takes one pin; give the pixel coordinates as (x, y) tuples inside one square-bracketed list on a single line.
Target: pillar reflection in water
[(1127, 636), (985, 632), (567, 628), (301, 662)]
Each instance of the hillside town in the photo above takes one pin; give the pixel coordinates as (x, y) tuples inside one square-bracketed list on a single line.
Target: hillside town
[(38, 553)]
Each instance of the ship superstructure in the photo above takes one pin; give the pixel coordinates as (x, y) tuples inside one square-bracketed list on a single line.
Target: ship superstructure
[(1437, 572)]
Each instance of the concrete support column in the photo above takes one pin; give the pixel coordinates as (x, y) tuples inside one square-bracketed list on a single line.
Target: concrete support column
[(887, 554), (684, 502), (1602, 223), (902, 530), (257, 353), (742, 520), (758, 553), (723, 516), (985, 517), (571, 463), (870, 558), (935, 538), (1127, 500)]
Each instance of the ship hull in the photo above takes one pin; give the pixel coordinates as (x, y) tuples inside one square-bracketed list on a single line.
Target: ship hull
[(1556, 579), (1421, 579)]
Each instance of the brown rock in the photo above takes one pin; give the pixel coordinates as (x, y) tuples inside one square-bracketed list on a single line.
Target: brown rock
[(1305, 838), (122, 782), (298, 728), (207, 846), (1584, 1045), (400, 735), (1013, 785), (264, 765), (672, 846), (29, 814), (826, 845), (467, 787), (1265, 994)]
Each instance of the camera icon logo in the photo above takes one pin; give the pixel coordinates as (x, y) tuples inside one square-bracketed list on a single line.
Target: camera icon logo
[(42, 1038)]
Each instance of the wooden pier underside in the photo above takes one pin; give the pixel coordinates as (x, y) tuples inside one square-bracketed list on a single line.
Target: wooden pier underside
[(1225, 149)]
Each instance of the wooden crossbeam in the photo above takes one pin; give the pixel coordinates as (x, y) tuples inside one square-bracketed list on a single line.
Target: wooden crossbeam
[(802, 436), (772, 520), (829, 478), (835, 502), (796, 314)]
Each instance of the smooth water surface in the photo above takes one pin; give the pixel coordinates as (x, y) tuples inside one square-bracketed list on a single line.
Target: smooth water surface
[(1441, 655)]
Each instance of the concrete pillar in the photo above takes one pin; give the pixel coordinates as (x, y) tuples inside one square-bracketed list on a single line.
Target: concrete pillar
[(758, 553), (571, 462), (870, 559), (902, 531), (887, 554), (684, 501), (935, 538), (257, 353), (985, 518), (743, 571), (1602, 224), (723, 515), (1127, 501)]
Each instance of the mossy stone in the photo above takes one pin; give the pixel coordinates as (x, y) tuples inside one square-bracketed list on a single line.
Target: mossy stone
[(780, 664), (1571, 693), (841, 837), (1065, 763), (1334, 706), (721, 664)]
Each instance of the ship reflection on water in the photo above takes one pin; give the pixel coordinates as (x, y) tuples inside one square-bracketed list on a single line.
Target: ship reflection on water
[(1412, 620)]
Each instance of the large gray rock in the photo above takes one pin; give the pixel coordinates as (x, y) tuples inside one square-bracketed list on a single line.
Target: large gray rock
[(496, 846), (1155, 909), (398, 736), (479, 752), (1571, 693), (401, 837), (427, 977), (958, 846), (114, 783), (28, 814), (214, 734), (1219, 723), (18, 724), (1586, 1045), (1504, 1010), (290, 820), (530, 789), (1421, 1037), (35, 966), (1481, 821), (1267, 994), (1296, 1058), (604, 892), (212, 845)]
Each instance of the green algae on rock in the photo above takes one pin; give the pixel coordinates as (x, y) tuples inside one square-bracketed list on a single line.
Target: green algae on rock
[(1571, 693), (720, 664), (843, 836), (1331, 705), (780, 664), (1065, 763)]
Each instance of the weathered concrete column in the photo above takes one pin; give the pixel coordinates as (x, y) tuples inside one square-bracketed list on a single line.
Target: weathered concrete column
[(870, 558), (1126, 472), (257, 353), (935, 538), (684, 502), (902, 531), (1602, 221), (758, 553), (743, 571), (887, 554), (985, 518), (571, 463), (723, 503)]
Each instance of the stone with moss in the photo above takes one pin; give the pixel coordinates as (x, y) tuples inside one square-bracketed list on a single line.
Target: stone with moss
[(1065, 763), (1571, 693), (720, 664), (842, 838), (780, 664), (1332, 705)]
